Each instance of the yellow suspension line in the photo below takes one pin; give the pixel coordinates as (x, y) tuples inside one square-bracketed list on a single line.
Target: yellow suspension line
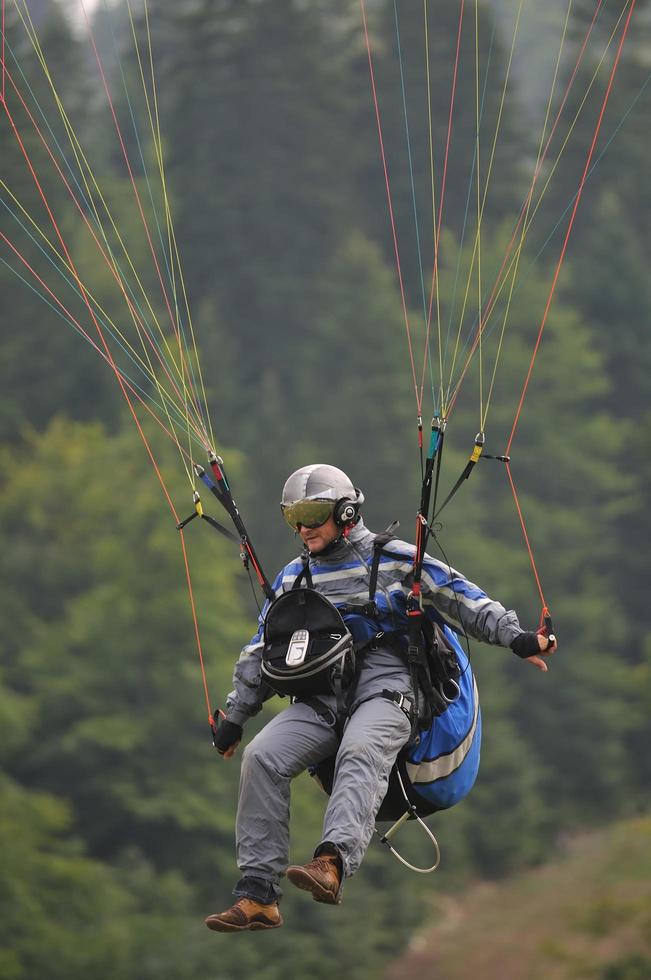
[(80, 156), (172, 234), (552, 171), (479, 217), (165, 396), (579, 110), (565, 141), (146, 370), (435, 284), (498, 123), (157, 144), (78, 152), (529, 200)]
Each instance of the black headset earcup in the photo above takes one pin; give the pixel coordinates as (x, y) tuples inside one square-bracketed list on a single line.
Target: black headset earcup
[(345, 511)]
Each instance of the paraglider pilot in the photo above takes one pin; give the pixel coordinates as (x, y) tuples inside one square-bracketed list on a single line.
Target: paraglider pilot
[(341, 658)]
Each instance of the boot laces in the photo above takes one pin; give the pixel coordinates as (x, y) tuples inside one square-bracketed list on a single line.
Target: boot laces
[(326, 864)]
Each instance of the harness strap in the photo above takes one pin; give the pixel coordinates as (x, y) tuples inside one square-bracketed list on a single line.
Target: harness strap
[(369, 608), (478, 448), (324, 712), (304, 573), (394, 639), (342, 695), (379, 543), (404, 703)]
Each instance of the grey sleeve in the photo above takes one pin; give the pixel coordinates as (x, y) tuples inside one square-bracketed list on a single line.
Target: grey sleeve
[(250, 692)]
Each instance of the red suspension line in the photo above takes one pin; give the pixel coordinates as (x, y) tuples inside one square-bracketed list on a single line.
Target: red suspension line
[(526, 537), (174, 322), (552, 291), (73, 320), (390, 203), (524, 209), (132, 309), (2, 54), (123, 388), (197, 635), (450, 116), (437, 230), (570, 224)]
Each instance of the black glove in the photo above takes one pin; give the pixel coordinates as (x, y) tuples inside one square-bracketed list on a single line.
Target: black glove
[(526, 645), (228, 733)]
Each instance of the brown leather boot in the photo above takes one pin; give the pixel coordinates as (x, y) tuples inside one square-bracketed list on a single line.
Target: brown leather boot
[(322, 877), (246, 914)]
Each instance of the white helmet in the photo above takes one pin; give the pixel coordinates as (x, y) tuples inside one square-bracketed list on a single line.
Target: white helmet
[(314, 493)]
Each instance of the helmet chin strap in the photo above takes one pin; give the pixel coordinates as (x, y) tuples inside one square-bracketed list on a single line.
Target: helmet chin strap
[(329, 548)]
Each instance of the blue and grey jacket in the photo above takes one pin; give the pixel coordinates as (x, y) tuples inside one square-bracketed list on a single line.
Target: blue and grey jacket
[(343, 574)]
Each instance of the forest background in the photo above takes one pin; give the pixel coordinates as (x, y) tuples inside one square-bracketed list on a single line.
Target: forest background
[(116, 816)]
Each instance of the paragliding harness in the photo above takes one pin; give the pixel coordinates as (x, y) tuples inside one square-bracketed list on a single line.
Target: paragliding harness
[(308, 647), (310, 652), (434, 671), (432, 662)]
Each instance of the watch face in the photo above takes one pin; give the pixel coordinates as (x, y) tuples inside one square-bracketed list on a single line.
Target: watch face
[(297, 648)]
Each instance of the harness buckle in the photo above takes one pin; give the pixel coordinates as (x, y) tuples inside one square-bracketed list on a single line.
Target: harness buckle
[(198, 512), (360, 608), (413, 653), (414, 603), (405, 704)]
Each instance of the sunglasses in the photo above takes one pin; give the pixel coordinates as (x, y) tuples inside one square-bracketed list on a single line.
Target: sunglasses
[(307, 513)]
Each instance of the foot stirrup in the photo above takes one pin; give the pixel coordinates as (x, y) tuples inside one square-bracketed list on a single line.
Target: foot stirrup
[(410, 814)]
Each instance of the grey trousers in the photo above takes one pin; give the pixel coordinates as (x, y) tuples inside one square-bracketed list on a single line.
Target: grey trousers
[(295, 739)]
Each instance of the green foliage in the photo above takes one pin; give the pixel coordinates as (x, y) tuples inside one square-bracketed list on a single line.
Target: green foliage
[(633, 966), (37, 345), (270, 166), (585, 913), (68, 915), (116, 691), (354, 347), (40, 933), (124, 838), (101, 665)]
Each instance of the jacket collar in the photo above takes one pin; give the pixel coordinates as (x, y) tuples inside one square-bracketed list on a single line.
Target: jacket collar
[(340, 549)]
